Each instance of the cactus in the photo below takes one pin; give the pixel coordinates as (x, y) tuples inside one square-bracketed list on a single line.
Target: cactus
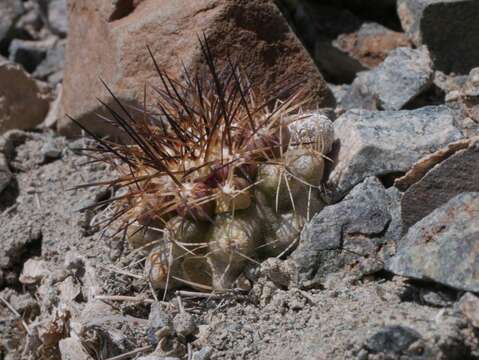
[(221, 177)]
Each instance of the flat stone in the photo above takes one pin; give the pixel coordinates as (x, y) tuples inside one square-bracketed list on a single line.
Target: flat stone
[(115, 47), (443, 247), (404, 75), (449, 28), (457, 174), (377, 143), (24, 103), (344, 238)]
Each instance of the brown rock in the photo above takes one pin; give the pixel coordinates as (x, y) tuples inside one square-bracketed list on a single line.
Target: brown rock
[(114, 48), (420, 168), (457, 174), (371, 44), (24, 102)]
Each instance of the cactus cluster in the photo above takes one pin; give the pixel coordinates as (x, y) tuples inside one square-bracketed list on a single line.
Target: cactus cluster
[(214, 175)]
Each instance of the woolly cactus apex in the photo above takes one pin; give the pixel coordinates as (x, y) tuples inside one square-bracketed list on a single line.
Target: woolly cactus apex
[(305, 166), (142, 236), (234, 195), (312, 129), (232, 243), (182, 240)]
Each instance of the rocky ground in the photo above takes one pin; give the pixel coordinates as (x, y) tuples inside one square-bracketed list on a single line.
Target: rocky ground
[(387, 270)]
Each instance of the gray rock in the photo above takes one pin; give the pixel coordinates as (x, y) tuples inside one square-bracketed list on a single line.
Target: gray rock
[(52, 64), (392, 340), (469, 306), (10, 11), (442, 247), (449, 28), (184, 324), (405, 74), (50, 151), (377, 143), (455, 175), (203, 354), (353, 235), (57, 17)]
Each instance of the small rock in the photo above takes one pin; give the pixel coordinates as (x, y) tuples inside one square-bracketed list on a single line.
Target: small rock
[(160, 317), (449, 29), (184, 324), (203, 354), (344, 238), (405, 74), (376, 143), (394, 339), (50, 151), (442, 247), (34, 271), (72, 349), (371, 44), (24, 103), (469, 306), (456, 174), (10, 11)]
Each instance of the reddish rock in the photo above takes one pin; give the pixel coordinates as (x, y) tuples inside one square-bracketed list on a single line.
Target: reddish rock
[(371, 44), (114, 48)]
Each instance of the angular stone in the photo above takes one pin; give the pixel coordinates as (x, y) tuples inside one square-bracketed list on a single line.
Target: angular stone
[(10, 11), (24, 103), (405, 74), (377, 143), (371, 44), (443, 247), (469, 306), (71, 348), (455, 175), (449, 28), (345, 237), (114, 48)]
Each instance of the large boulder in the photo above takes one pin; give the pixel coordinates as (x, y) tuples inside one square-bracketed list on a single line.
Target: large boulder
[(443, 247), (115, 49), (24, 102), (449, 28), (381, 143)]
